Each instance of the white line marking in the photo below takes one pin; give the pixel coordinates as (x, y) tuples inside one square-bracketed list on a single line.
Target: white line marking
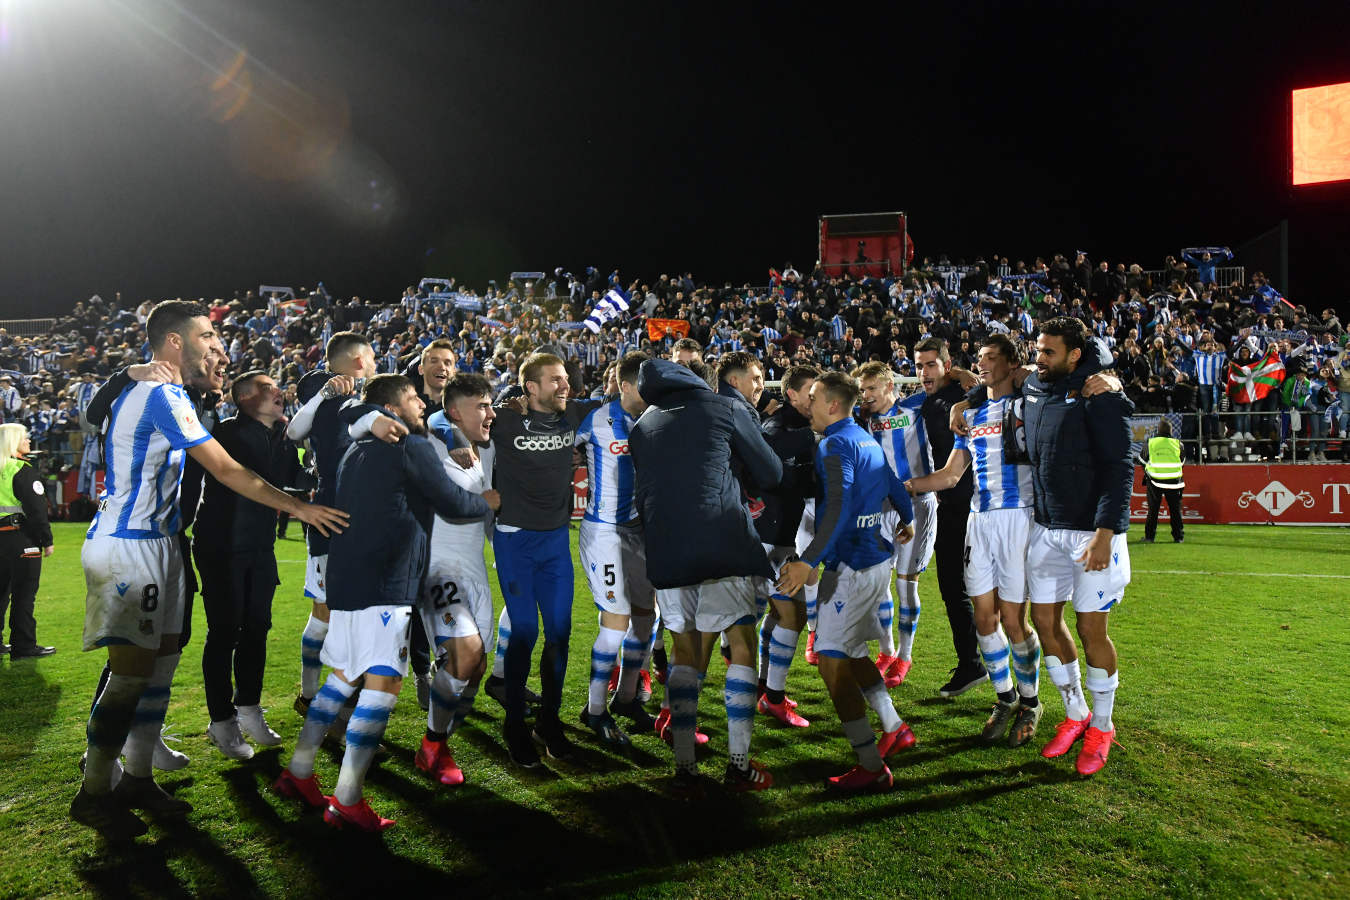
[(1241, 574)]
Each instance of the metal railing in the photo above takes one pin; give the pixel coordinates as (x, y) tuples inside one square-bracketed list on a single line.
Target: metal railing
[(1159, 279), (28, 327), (1249, 436)]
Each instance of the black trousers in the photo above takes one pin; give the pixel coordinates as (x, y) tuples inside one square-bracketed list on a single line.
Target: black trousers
[(19, 579), (237, 592), (1156, 495), (950, 553)]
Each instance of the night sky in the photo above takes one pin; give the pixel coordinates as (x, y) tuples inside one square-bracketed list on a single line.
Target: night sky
[(195, 148)]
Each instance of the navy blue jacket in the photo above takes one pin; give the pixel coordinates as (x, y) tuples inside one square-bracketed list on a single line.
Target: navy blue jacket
[(694, 519), (391, 492), (1080, 450), (329, 440)]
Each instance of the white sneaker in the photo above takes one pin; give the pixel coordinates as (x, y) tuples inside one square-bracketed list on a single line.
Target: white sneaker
[(227, 738), (167, 759), (252, 723)]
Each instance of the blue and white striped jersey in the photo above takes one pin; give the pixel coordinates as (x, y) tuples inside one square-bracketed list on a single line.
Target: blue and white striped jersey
[(1209, 366), (604, 435), (904, 438), (149, 429), (998, 485)]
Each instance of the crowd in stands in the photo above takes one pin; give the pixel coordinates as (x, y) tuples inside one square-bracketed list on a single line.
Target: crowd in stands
[(1176, 336)]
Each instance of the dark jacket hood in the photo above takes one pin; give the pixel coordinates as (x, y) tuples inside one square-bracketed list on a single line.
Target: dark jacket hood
[(1096, 357), (658, 378)]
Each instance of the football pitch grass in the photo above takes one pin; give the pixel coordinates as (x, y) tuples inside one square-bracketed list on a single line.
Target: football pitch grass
[(1232, 777)]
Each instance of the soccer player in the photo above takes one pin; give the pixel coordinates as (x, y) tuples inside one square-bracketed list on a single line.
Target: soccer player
[(534, 557), (376, 569), (133, 567), (1082, 475), (703, 554), (996, 543), (351, 360), (854, 482), (456, 604), (900, 430), (788, 433), (612, 555)]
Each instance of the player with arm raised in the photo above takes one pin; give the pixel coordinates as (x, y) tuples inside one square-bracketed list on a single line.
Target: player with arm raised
[(351, 360), (996, 544), (133, 567), (854, 482)]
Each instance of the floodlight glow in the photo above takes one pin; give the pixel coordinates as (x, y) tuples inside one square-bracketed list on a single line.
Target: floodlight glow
[(1321, 134)]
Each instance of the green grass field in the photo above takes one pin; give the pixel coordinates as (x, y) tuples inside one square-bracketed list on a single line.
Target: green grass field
[(1232, 778)]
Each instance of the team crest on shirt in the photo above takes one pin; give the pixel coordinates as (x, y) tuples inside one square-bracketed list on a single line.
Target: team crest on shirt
[(147, 626), (449, 618), (402, 654), (609, 595)]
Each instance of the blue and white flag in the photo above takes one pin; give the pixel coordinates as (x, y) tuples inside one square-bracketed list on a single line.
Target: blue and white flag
[(611, 306)]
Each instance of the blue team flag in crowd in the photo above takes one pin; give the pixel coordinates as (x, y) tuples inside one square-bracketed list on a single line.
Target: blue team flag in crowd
[(611, 306)]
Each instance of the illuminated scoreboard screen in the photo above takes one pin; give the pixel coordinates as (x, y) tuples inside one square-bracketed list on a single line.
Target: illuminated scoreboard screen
[(1321, 134)]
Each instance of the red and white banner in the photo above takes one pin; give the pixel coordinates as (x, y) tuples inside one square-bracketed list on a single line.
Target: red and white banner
[(1257, 495), (580, 489)]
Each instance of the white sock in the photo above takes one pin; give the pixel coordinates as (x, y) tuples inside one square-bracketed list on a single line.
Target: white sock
[(886, 622), (740, 699), (311, 644), (994, 650), (864, 743), (1103, 687), (880, 700), (809, 593), (109, 723), (363, 737), (503, 638), (149, 718), (445, 693), (604, 654), (637, 642), (782, 647), (682, 692), (323, 710), (1065, 681), (906, 617), (1026, 661)]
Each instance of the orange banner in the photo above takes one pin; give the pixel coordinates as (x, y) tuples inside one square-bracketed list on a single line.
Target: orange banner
[(659, 329)]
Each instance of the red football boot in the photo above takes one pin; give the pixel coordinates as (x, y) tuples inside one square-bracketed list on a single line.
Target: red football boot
[(782, 712), (306, 790), (435, 758), (1096, 747), (812, 657), (901, 738), (858, 780), (359, 816), (667, 734), (1066, 733)]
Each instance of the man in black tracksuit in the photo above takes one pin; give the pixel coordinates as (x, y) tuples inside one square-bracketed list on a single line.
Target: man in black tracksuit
[(233, 548), (944, 392), (1082, 475)]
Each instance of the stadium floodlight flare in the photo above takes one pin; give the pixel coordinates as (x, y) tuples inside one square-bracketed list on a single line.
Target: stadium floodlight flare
[(1320, 135)]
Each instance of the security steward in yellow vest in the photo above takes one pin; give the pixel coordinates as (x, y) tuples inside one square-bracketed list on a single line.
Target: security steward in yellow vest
[(25, 537), (1161, 457)]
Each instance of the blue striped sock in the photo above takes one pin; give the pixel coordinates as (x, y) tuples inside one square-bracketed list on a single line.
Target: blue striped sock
[(885, 618), (109, 722), (906, 618), (682, 690), (994, 648), (604, 654), (311, 644), (364, 731), (1026, 657), (740, 700), (149, 718), (782, 647), (445, 694), (323, 710), (503, 638)]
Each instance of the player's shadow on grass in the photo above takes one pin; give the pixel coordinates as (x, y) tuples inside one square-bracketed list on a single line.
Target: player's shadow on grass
[(30, 702), (146, 868)]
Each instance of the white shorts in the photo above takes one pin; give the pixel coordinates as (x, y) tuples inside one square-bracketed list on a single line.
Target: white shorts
[(1056, 576), (846, 617), (134, 591), (996, 553), (711, 607), (912, 558), (373, 640), (456, 603), (615, 561), (316, 576)]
